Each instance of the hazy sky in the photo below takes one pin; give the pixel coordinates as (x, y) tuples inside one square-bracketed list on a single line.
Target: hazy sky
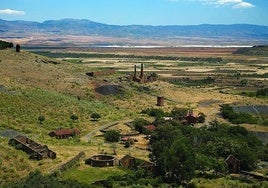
[(144, 12)]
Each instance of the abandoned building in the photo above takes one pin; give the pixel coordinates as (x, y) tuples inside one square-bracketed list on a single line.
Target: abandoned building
[(190, 118), (134, 163), (35, 150), (101, 73), (128, 162), (64, 133), (101, 161), (233, 164), (142, 78)]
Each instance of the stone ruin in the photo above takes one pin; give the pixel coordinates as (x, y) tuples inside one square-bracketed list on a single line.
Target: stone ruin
[(142, 78), (101, 161), (35, 150)]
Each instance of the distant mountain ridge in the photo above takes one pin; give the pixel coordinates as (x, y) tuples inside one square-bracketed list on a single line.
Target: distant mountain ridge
[(241, 32)]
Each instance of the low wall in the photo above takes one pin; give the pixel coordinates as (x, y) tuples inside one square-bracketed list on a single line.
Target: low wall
[(101, 161)]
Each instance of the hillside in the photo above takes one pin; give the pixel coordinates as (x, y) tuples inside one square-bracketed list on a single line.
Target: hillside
[(58, 88), (253, 51), (33, 85), (104, 34)]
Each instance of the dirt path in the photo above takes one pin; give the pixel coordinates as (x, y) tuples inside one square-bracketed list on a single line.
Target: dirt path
[(92, 133)]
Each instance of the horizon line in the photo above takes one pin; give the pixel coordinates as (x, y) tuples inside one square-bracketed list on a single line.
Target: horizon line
[(80, 19)]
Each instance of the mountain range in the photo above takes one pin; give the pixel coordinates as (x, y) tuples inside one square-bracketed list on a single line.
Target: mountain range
[(58, 32)]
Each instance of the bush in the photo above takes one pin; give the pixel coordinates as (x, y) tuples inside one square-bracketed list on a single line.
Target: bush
[(74, 117), (154, 112), (236, 117), (112, 136), (179, 113), (41, 119), (139, 124), (95, 116)]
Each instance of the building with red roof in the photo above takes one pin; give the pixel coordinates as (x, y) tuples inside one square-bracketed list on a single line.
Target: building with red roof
[(64, 133)]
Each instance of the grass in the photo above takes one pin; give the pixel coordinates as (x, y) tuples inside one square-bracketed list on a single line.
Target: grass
[(10, 170), (227, 182), (88, 174), (24, 107)]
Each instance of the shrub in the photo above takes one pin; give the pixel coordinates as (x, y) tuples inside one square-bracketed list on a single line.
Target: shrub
[(95, 116), (74, 117), (41, 119), (139, 124), (112, 136), (236, 117)]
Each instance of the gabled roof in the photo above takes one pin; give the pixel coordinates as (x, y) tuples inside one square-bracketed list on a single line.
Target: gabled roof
[(127, 157), (231, 158), (61, 132)]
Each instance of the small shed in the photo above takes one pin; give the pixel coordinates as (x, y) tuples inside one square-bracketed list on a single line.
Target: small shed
[(148, 166), (128, 161), (64, 133), (133, 163), (233, 164)]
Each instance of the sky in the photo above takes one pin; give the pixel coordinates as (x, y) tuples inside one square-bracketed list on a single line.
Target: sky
[(140, 12)]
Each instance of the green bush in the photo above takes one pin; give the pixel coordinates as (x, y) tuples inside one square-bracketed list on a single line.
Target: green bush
[(236, 117), (112, 136), (95, 116)]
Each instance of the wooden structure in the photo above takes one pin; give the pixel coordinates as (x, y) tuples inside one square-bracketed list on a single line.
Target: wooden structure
[(64, 133), (35, 150), (101, 161), (133, 163), (128, 162), (160, 101), (233, 164), (148, 166)]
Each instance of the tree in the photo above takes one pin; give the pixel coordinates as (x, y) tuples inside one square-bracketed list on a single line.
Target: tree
[(41, 119), (139, 124), (173, 154), (95, 116), (112, 136), (201, 117), (179, 113)]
